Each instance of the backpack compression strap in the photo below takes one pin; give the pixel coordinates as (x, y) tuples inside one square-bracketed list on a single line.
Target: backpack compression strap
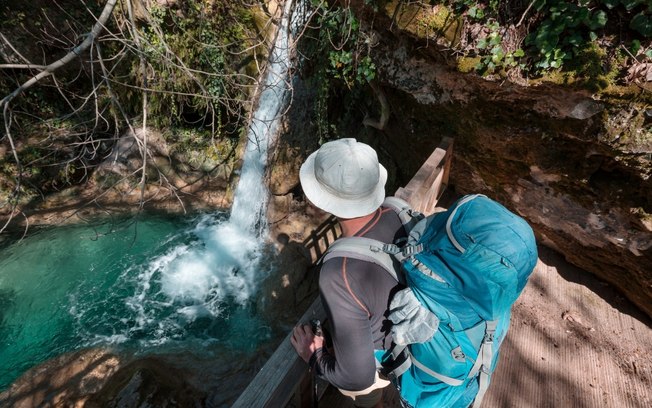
[(401, 359), (483, 362)]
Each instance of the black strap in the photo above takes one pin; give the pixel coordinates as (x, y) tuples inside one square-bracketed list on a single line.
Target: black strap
[(391, 363)]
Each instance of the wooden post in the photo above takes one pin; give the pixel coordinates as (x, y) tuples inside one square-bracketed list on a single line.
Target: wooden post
[(428, 184)]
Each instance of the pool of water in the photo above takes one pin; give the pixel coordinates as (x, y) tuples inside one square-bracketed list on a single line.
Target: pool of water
[(156, 285)]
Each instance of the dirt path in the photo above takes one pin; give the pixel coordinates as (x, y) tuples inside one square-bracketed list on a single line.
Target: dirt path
[(574, 342)]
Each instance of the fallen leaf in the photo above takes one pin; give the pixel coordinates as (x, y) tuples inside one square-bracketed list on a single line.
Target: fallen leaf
[(640, 72)]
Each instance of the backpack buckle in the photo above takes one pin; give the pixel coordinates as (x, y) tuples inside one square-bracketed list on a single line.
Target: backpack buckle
[(391, 249), (458, 355), (410, 250), (488, 337)]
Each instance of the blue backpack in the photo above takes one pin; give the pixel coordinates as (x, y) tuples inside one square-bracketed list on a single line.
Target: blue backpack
[(464, 269)]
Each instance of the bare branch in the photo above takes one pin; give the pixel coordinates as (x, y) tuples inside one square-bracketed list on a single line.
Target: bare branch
[(14, 49), (22, 66), (524, 13), (97, 28)]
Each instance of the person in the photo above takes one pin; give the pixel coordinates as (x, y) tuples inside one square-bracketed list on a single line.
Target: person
[(344, 178)]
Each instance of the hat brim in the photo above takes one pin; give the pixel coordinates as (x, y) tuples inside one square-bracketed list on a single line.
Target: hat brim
[(340, 207)]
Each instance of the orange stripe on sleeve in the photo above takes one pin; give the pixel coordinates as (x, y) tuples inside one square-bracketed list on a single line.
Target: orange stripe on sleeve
[(348, 287)]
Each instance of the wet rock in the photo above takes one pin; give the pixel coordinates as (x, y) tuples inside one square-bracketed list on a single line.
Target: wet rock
[(67, 380), (97, 378), (147, 382), (585, 109)]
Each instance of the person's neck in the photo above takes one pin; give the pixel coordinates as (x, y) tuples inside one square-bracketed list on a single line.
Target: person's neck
[(350, 226)]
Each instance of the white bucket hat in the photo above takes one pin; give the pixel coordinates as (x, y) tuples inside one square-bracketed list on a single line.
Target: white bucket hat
[(344, 178)]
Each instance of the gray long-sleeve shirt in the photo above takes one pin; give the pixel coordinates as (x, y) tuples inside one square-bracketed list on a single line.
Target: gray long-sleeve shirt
[(356, 296)]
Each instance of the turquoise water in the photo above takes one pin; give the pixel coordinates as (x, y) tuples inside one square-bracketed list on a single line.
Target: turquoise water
[(154, 285)]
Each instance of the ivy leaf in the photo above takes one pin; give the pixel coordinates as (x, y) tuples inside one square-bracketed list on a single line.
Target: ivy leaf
[(575, 40), (497, 55), (593, 36), (598, 20), (476, 12), (636, 46), (497, 50), (642, 24), (582, 15), (482, 43), (494, 39), (630, 4), (518, 53), (610, 3)]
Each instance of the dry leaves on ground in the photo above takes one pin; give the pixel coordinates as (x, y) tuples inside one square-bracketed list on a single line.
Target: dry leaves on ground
[(640, 72)]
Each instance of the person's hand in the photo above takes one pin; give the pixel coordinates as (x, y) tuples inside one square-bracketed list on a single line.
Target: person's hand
[(305, 342)]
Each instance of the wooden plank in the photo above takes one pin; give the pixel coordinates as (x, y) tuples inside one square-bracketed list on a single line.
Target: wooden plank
[(278, 380), (425, 188)]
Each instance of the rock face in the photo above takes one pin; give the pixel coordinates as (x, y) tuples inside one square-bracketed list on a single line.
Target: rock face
[(577, 168), (102, 378)]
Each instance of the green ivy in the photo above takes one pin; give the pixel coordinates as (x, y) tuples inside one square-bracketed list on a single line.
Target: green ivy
[(560, 30), (566, 28), (494, 56), (348, 57), (339, 53)]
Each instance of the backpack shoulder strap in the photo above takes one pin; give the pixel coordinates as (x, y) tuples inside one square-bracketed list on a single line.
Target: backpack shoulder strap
[(364, 249), (408, 216)]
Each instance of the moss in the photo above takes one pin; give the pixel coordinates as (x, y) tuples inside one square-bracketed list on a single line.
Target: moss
[(426, 21), (435, 20), (594, 71), (467, 64)]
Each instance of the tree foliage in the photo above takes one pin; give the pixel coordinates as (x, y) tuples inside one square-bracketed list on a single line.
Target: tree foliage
[(337, 52), (74, 75)]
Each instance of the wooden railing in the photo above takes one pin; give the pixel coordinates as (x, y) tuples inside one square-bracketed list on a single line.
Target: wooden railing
[(321, 238), (285, 377), (427, 186)]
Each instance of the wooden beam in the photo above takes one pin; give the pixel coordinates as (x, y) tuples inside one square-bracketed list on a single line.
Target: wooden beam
[(426, 187), (282, 374)]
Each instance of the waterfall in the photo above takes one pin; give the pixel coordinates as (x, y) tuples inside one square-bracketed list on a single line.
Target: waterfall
[(223, 261), (250, 200), (251, 195), (181, 284)]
